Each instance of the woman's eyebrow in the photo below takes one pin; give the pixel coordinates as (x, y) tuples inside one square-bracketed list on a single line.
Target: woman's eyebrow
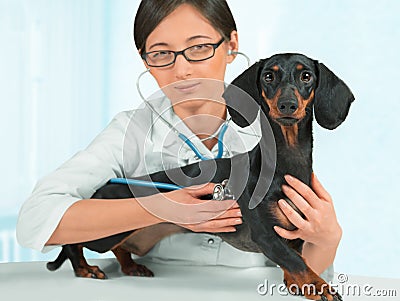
[(158, 44), (199, 37), (188, 40)]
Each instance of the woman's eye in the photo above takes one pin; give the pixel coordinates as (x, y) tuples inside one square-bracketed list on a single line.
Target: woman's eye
[(269, 77), (306, 76), (160, 54), (198, 47)]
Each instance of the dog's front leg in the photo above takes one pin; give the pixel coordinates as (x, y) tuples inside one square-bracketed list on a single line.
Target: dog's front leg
[(128, 266), (81, 268), (299, 278)]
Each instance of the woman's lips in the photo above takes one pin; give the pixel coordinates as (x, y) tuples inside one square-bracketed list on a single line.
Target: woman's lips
[(187, 87)]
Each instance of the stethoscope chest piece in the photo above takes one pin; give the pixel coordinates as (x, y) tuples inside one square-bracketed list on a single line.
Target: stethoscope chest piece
[(221, 192)]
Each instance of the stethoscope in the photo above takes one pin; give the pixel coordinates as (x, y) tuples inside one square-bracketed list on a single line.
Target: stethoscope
[(182, 136), (220, 191)]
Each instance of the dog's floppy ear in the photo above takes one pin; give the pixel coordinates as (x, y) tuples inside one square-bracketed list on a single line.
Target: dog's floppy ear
[(332, 99), (242, 108)]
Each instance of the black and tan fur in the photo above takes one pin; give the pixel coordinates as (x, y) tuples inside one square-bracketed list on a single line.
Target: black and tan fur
[(288, 88)]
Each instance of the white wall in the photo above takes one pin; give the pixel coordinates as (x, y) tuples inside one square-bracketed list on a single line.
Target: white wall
[(68, 66)]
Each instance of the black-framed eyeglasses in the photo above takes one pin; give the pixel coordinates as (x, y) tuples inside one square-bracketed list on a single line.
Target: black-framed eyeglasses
[(195, 53)]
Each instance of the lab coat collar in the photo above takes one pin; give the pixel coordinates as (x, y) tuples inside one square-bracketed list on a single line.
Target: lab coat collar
[(165, 139)]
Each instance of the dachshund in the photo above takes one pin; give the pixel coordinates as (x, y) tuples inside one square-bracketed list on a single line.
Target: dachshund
[(288, 89)]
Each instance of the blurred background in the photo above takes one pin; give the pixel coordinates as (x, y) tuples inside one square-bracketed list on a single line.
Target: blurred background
[(68, 66)]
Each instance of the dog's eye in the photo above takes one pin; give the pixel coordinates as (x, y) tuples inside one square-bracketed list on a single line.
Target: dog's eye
[(269, 77), (306, 76)]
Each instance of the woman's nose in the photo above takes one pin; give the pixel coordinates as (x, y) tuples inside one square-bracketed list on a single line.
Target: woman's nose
[(182, 68)]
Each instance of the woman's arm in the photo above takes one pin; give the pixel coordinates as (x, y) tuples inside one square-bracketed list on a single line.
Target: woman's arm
[(59, 210), (319, 258), (76, 179), (91, 219), (319, 229)]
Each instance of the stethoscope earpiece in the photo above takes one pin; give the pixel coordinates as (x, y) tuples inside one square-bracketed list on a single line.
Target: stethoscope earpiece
[(230, 52)]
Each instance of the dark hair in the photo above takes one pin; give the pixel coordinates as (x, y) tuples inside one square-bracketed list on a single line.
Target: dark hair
[(151, 12)]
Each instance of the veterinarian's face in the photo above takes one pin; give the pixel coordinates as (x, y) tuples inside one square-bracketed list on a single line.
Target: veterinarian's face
[(183, 28)]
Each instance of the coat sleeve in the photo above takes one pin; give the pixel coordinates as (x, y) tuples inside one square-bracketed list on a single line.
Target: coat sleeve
[(76, 179)]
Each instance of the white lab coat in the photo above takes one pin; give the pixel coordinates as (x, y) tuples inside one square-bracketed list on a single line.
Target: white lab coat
[(135, 143)]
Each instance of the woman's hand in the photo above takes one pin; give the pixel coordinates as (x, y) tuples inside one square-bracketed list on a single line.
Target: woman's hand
[(185, 208), (320, 226)]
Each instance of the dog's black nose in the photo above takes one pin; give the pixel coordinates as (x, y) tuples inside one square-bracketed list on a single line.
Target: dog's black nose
[(287, 106)]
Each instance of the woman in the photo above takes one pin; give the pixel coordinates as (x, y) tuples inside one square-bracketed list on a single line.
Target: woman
[(170, 36)]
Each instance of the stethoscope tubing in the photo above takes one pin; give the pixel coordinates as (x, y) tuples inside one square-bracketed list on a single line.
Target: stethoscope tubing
[(143, 183), (183, 137)]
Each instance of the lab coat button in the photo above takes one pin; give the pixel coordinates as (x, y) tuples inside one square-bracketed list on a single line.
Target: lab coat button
[(210, 241)]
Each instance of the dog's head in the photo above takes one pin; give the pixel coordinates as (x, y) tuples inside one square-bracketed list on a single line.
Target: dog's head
[(287, 86)]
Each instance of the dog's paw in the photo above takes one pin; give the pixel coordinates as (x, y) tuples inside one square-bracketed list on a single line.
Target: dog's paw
[(337, 297), (310, 285), (137, 270), (93, 272)]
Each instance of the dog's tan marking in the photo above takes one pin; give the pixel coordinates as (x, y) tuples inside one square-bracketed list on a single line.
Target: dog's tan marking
[(299, 67), (272, 104), (308, 284), (128, 266), (302, 104), (290, 133), (275, 68), (85, 270)]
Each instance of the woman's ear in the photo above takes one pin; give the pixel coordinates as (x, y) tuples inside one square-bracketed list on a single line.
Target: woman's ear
[(242, 96), (233, 45), (332, 99), (143, 60)]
